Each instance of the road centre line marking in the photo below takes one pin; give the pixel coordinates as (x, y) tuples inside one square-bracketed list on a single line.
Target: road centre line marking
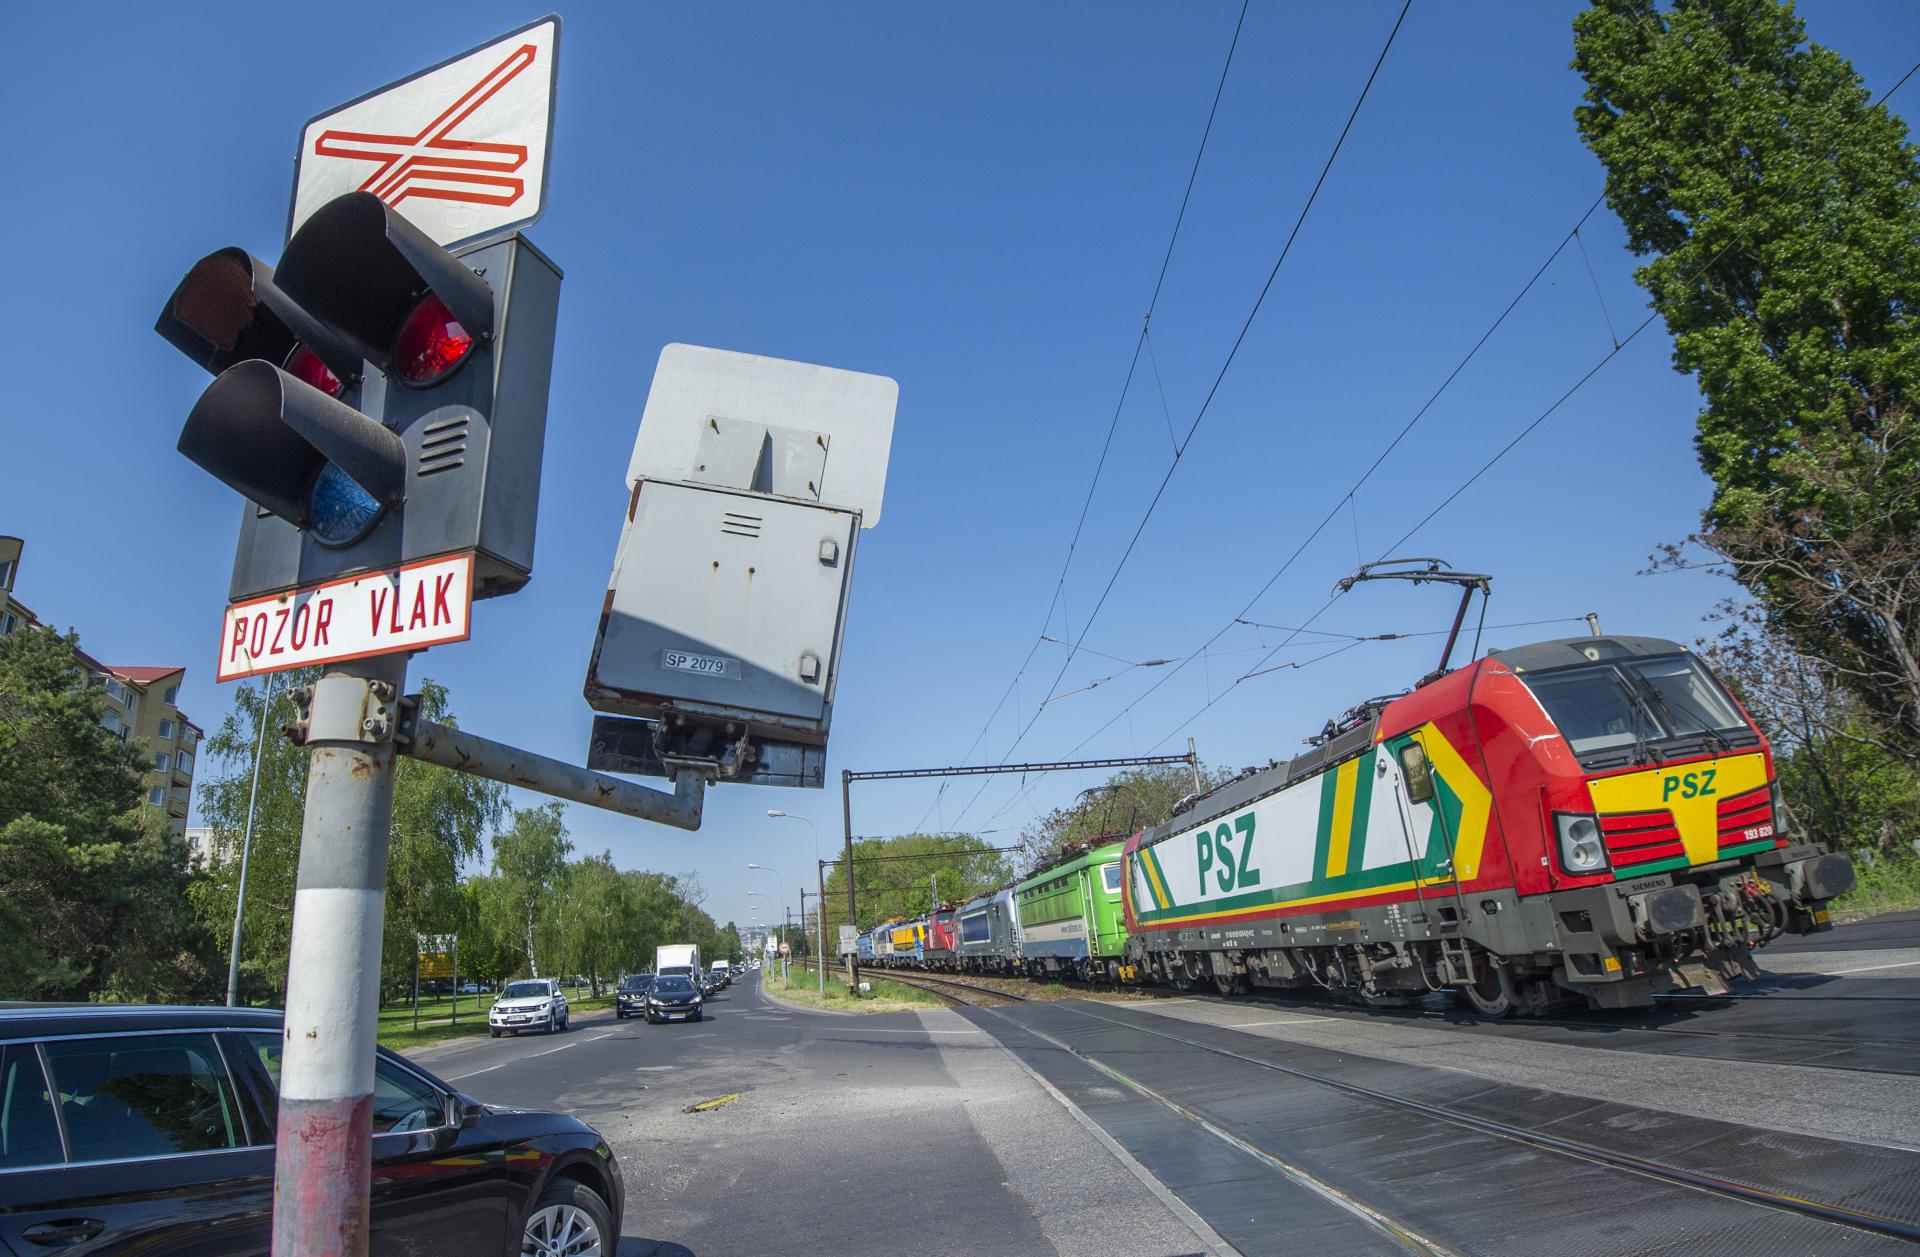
[(885, 1030), (476, 1073), (1904, 964), (503, 1064)]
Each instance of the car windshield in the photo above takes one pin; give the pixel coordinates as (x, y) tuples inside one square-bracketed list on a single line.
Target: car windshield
[(672, 984), (1622, 704), (635, 981), (525, 990)]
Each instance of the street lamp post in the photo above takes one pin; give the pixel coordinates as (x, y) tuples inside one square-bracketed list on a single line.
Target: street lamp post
[(246, 847), (783, 903), (820, 915)]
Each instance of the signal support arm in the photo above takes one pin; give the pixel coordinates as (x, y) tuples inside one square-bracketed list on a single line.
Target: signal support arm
[(469, 753)]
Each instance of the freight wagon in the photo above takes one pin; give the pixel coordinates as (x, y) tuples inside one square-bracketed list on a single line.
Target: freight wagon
[(1591, 817)]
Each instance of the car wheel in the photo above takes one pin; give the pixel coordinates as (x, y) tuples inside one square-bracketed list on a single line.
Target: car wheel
[(494, 1033), (570, 1220), (566, 1021)]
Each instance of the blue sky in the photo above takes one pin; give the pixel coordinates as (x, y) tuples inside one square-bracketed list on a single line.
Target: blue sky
[(975, 201)]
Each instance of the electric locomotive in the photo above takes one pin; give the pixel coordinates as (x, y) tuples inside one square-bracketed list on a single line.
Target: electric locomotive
[(1070, 919), (1588, 818), (990, 934)]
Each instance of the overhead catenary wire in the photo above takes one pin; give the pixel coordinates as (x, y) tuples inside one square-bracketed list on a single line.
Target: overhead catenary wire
[(1213, 390), (1360, 482), (1520, 436), (1140, 342), (1501, 453)]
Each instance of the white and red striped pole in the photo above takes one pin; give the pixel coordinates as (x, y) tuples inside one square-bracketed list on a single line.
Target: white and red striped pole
[(323, 1158)]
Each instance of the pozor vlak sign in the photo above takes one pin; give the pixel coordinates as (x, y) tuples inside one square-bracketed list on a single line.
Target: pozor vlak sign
[(419, 605)]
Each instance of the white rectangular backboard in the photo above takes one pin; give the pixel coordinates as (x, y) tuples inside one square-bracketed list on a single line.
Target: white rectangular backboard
[(713, 416), (460, 148)]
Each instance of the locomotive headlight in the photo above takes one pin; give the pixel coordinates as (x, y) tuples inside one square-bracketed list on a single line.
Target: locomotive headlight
[(1779, 802), (1581, 851)]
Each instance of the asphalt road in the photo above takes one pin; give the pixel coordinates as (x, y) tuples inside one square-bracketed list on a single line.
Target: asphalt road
[(856, 1134), (1196, 1124)]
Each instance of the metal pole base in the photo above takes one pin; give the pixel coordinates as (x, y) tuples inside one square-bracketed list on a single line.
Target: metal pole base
[(323, 1151)]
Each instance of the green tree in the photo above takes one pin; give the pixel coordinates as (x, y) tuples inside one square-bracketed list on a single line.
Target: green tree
[(529, 863), (1844, 787), (958, 866), (440, 819), (1780, 211), (93, 892), (1130, 801), (226, 779)]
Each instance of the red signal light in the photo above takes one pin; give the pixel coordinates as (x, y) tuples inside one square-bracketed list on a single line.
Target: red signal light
[(431, 343), (304, 364)]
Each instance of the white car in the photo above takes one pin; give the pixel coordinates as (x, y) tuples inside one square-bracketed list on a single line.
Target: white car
[(529, 1004)]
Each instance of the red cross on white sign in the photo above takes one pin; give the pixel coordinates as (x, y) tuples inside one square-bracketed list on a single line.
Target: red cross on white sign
[(460, 148)]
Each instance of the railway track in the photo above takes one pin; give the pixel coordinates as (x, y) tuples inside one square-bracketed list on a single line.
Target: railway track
[(989, 1000), (1597, 1025)]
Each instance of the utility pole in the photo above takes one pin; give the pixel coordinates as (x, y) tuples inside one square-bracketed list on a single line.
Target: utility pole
[(846, 811), (322, 1153), (820, 867), (803, 910), (820, 901)]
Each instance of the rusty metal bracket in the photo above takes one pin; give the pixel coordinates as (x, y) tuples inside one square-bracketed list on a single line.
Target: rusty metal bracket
[(355, 709), (482, 757)]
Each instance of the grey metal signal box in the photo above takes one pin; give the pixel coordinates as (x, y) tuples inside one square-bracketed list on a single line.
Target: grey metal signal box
[(474, 446), (721, 632)]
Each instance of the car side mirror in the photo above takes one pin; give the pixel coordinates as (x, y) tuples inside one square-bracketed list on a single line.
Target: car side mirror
[(460, 1108)]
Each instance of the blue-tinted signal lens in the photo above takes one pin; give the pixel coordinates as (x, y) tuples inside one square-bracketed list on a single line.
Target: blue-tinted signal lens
[(342, 511)]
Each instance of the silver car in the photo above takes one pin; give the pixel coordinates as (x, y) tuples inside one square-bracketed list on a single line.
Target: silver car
[(529, 1004)]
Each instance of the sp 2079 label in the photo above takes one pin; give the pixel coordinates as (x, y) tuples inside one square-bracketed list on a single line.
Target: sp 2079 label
[(701, 665)]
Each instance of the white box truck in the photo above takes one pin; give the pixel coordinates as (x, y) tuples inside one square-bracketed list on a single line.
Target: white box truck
[(680, 958)]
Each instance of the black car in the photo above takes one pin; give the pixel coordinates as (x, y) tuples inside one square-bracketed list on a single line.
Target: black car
[(150, 1130), (671, 998), (631, 999)]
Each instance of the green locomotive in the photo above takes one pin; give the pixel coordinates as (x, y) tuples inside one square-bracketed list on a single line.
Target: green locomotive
[(1071, 921)]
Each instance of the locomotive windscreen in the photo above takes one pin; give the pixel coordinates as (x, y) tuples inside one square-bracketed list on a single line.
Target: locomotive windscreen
[(1615, 709), (975, 928)]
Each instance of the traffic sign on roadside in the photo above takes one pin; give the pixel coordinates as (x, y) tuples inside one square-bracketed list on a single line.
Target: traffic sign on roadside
[(849, 939), (460, 148), (410, 608)]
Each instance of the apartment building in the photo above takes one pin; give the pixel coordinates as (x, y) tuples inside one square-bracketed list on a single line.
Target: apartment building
[(142, 707), (13, 613)]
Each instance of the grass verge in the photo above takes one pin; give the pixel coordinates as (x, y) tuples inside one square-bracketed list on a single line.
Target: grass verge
[(397, 1030), (1890, 884), (801, 987)]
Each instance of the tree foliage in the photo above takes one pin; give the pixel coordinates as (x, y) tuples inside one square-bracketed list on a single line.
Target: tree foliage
[(1129, 801), (958, 866), (440, 820), (1780, 211), (1844, 787), (92, 889)]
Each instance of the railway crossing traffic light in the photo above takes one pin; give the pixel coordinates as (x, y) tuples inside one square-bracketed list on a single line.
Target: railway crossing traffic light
[(378, 399)]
